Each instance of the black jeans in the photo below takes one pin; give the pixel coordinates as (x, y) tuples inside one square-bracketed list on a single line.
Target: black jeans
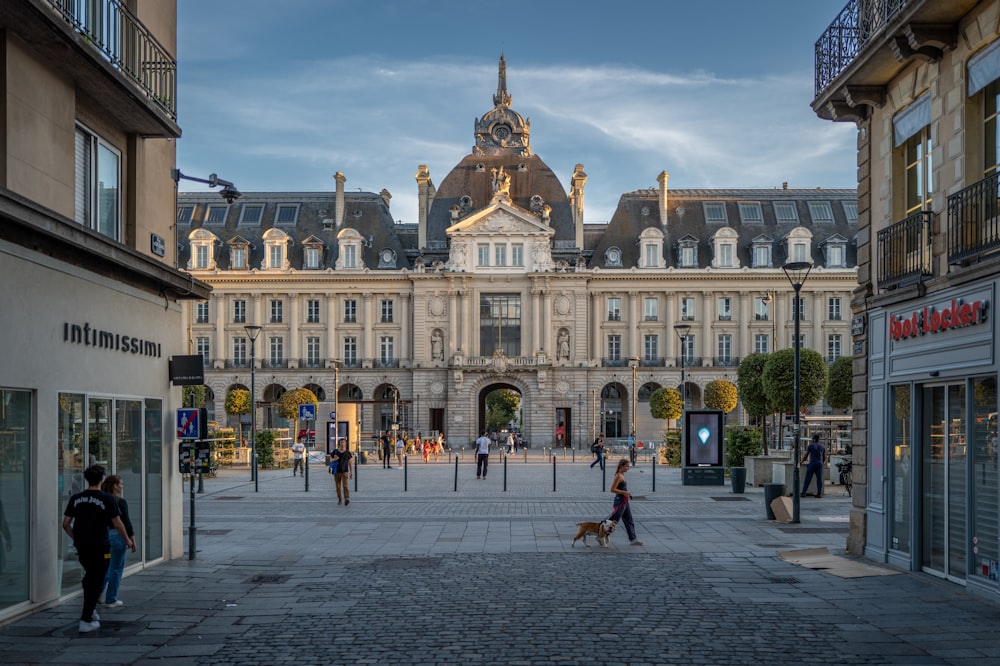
[(95, 561), (623, 514), (482, 460)]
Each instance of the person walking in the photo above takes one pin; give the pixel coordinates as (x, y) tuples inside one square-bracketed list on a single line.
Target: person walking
[(816, 453), (400, 448), (386, 451), (622, 509), (482, 455), (298, 449), (340, 463), (86, 519), (510, 442), (115, 486), (597, 448)]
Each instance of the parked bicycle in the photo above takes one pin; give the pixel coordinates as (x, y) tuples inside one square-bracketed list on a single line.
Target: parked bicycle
[(844, 469)]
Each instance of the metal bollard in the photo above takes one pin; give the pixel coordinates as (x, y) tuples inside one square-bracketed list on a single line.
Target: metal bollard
[(356, 475), (406, 462), (525, 454), (553, 473), (654, 474), (505, 473), (456, 474)]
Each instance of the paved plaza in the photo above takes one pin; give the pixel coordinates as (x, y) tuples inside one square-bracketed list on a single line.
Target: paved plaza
[(416, 571)]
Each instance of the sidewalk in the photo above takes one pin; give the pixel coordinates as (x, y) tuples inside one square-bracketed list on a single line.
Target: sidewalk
[(428, 574)]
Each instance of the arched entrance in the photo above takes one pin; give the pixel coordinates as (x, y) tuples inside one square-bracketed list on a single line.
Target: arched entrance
[(612, 403), (501, 411)]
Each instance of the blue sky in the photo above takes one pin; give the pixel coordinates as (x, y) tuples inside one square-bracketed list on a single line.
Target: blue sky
[(278, 96)]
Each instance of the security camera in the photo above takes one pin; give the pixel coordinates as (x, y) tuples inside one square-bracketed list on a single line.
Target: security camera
[(230, 194)]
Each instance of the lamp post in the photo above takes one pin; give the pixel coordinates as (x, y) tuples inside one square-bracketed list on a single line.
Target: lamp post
[(252, 332), (336, 407), (797, 272), (682, 333), (634, 364)]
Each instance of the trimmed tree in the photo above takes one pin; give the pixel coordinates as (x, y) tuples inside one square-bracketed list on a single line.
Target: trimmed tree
[(778, 379), (721, 394), (238, 404), (839, 392), (666, 403), (749, 379), (288, 405)]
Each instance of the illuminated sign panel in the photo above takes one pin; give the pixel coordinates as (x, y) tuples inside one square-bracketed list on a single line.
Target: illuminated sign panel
[(934, 319)]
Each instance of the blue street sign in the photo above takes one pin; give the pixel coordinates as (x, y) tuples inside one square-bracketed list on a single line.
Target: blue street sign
[(307, 412), (187, 424)]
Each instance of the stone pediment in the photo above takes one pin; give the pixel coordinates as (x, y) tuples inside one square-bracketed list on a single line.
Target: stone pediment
[(500, 219)]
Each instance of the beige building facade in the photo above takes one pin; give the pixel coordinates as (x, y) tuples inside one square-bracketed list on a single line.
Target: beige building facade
[(90, 294), (501, 284), (921, 80)]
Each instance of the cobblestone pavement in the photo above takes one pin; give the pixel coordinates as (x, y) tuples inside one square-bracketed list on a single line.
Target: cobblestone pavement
[(435, 575)]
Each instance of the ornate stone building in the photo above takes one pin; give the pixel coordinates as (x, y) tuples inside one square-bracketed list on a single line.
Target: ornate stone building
[(921, 79), (500, 283)]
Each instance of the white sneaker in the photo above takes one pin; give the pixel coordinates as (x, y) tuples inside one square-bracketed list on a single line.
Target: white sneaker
[(115, 604), (87, 627), (635, 542), (95, 617)]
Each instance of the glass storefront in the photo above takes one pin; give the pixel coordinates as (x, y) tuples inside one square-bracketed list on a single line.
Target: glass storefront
[(901, 437), (984, 524), (15, 466)]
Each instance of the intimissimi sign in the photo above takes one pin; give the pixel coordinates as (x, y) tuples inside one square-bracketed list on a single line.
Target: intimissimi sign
[(89, 336), (936, 319)]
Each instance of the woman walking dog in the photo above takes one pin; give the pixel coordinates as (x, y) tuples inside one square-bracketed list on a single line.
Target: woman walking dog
[(623, 512)]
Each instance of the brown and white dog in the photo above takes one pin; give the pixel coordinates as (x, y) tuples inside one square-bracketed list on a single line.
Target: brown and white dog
[(601, 530)]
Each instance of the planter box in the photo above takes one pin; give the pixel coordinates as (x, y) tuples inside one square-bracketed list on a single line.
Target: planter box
[(759, 468)]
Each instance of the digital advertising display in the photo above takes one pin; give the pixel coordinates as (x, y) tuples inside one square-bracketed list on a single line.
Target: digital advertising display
[(703, 433)]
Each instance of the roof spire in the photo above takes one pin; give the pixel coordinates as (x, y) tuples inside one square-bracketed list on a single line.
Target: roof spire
[(502, 98)]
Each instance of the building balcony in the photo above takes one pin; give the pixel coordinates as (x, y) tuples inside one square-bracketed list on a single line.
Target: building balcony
[(974, 222), (274, 363), (870, 42), (350, 363), (105, 50), (653, 362), (385, 363), (689, 362), (904, 251), (725, 361), (510, 362), (614, 362), (235, 363), (312, 363)]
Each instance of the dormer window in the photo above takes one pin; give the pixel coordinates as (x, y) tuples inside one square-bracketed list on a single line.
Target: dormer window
[(276, 244), (785, 212), (835, 249), (349, 257), (761, 247), (798, 244), (613, 257), (216, 214), (202, 250), (750, 212), (239, 254), (687, 252), (715, 212), (286, 214), (851, 211), (349, 243), (313, 253), (184, 214), (651, 243), (251, 214), (821, 212), (724, 248)]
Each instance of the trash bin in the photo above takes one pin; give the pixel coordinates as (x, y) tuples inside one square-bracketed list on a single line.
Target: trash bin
[(772, 491), (738, 479)]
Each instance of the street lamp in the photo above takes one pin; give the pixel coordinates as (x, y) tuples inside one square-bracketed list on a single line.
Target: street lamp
[(336, 405), (634, 364), (682, 333), (252, 332), (797, 272)]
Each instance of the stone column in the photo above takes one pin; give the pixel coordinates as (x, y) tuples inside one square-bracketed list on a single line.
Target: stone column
[(332, 352), (367, 350), (293, 328)]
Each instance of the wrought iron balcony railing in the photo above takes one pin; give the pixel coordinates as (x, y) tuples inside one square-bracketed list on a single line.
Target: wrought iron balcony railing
[(237, 363), (689, 362), (614, 362), (725, 361), (312, 363), (385, 363), (974, 221), (652, 362), (854, 27), (274, 363), (904, 251), (128, 45)]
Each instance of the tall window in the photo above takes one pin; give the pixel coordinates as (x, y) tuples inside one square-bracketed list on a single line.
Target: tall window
[(833, 308), (761, 255), (801, 307), (202, 255), (919, 185), (351, 351), (651, 348), (761, 344), (483, 255), (834, 347), (614, 347), (238, 258), (689, 256), (98, 184), (614, 309), (350, 311), (312, 352), (350, 256), (240, 352), (500, 254), (202, 348), (386, 311), (276, 311), (201, 313), (385, 349), (500, 324), (239, 311), (312, 311), (687, 348), (277, 350), (650, 309), (991, 138), (687, 308), (725, 305), (725, 354), (312, 257), (761, 309), (276, 255), (517, 255), (652, 255)]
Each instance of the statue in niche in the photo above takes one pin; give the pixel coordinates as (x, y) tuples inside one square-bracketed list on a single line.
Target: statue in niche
[(437, 346), (562, 346)]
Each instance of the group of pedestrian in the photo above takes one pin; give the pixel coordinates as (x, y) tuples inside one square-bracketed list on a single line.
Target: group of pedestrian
[(400, 444), (97, 520)]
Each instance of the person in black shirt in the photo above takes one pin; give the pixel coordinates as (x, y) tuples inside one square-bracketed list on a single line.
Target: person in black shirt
[(340, 461), (86, 520)]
